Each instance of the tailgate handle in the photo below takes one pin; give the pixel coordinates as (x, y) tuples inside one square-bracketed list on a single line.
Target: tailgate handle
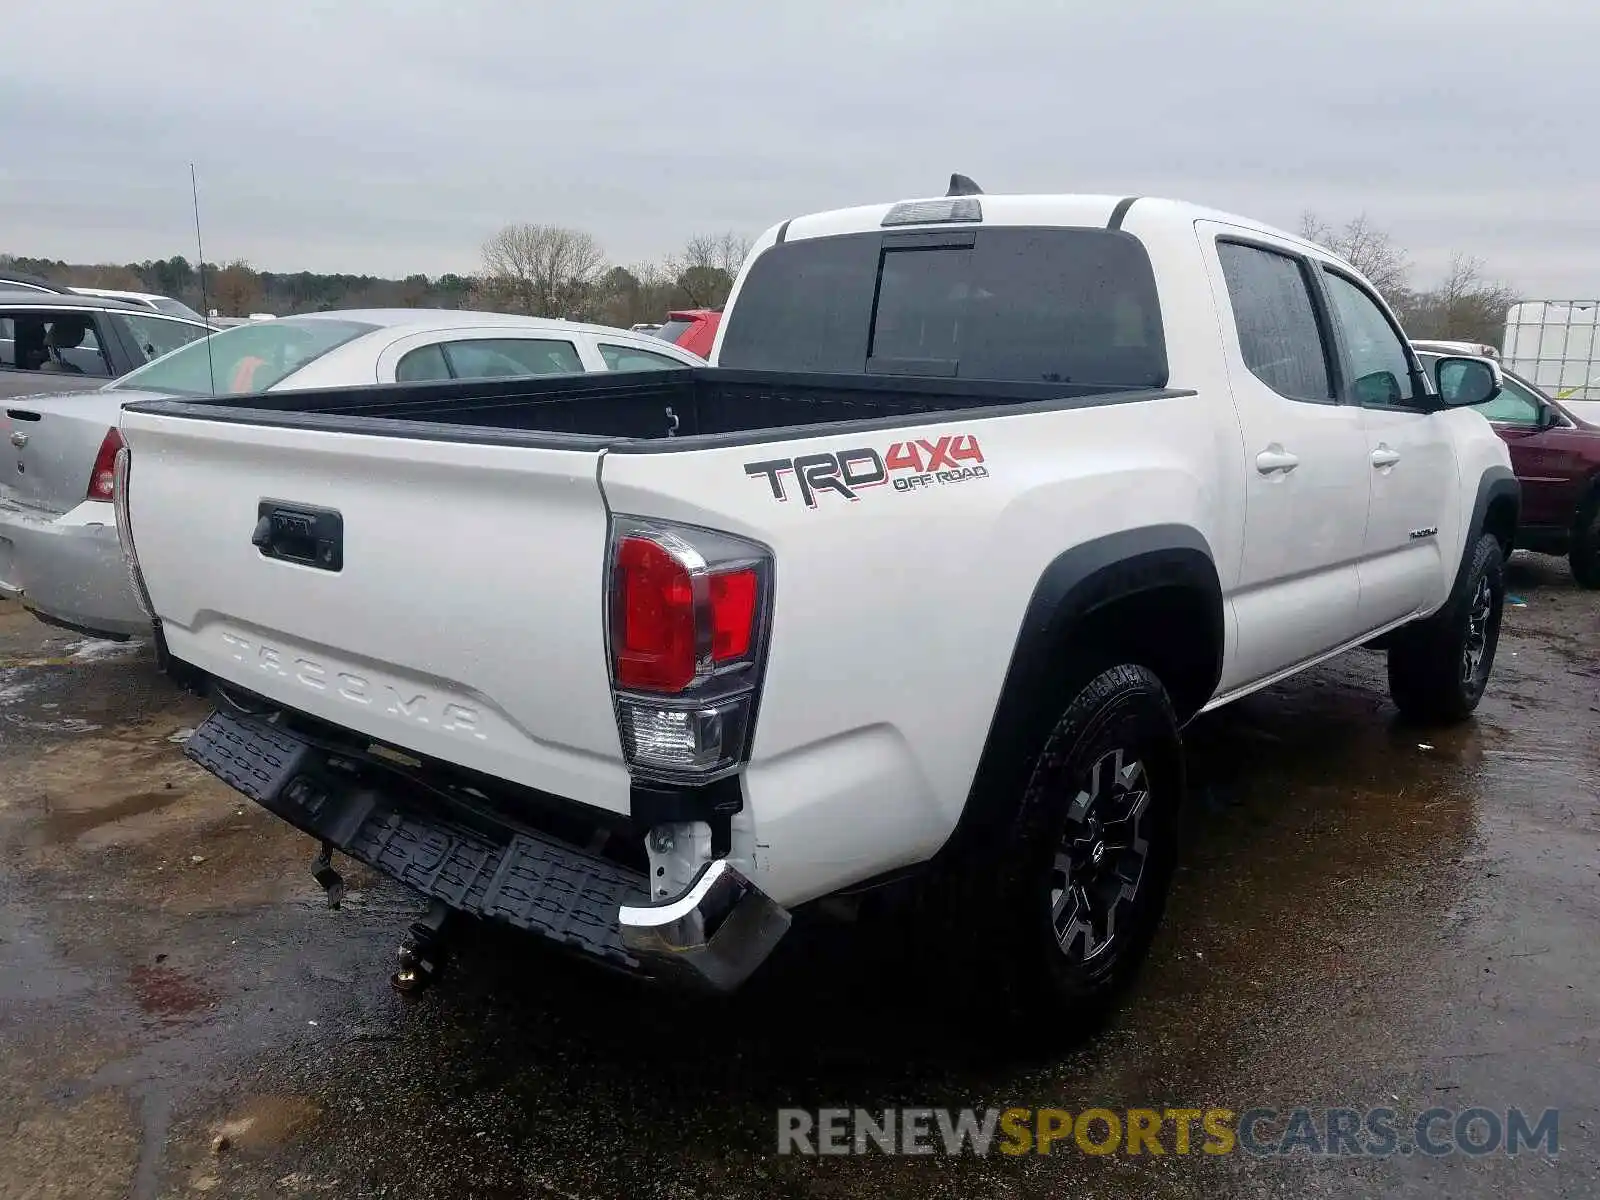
[(294, 533)]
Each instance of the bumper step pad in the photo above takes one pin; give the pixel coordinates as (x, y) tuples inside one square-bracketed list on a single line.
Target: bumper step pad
[(531, 882)]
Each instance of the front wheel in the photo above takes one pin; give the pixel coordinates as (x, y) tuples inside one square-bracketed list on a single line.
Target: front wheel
[(1094, 847), (1439, 668)]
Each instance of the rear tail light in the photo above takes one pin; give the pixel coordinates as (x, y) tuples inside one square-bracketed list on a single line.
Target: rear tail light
[(102, 479), (688, 613)]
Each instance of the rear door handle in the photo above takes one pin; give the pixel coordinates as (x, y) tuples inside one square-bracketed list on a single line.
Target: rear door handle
[(1275, 459), (1384, 457), (300, 534)]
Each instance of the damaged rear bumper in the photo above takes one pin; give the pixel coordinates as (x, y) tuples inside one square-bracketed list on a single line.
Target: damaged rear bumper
[(68, 569), (714, 934)]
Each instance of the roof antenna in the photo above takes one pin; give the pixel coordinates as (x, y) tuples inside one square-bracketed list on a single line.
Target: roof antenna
[(962, 185), (200, 249)]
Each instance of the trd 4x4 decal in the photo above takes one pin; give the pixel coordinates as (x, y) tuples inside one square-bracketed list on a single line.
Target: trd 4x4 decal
[(909, 466)]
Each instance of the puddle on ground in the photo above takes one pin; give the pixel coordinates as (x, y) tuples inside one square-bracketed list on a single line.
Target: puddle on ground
[(264, 1123), (105, 785), (68, 824)]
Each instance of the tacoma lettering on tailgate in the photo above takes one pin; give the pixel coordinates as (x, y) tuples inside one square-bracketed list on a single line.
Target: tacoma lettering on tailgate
[(408, 704), (909, 466)]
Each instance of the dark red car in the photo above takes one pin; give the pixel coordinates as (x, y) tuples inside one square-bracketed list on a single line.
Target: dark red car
[(692, 328), (1556, 455)]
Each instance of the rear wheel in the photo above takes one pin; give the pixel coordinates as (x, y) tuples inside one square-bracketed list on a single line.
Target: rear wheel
[(1585, 552), (1439, 668), (1093, 849)]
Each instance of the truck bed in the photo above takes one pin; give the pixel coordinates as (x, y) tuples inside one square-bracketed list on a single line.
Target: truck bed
[(425, 564), (708, 404)]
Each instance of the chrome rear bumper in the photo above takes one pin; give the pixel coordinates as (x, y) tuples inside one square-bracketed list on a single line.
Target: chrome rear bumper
[(715, 934)]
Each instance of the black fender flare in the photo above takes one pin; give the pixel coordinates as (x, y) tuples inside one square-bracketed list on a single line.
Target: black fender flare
[(1495, 483), (1075, 584)]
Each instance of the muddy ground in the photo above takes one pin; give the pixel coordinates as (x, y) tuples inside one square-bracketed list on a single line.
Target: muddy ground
[(1367, 915)]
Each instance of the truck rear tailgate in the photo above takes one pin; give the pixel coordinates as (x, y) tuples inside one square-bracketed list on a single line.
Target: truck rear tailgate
[(441, 597)]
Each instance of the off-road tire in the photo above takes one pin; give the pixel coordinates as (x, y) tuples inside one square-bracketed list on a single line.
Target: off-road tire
[(1125, 709), (1584, 554), (1439, 668)]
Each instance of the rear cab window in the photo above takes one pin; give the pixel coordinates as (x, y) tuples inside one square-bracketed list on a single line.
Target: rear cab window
[(1008, 303)]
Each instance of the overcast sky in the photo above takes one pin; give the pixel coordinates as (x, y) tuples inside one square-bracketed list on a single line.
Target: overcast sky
[(391, 136)]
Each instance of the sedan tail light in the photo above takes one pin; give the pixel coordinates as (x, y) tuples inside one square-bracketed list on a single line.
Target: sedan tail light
[(103, 477)]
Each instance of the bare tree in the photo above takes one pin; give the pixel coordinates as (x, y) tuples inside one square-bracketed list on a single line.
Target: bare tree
[(659, 293), (707, 266), (1368, 249), (541, 270), (1465, 306), (719, 251)]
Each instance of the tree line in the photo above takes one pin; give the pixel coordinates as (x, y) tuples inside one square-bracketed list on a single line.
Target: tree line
[(553, 271), (539, 270)]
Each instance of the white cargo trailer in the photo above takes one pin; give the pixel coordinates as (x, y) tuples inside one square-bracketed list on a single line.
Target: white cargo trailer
[(1556, 344)]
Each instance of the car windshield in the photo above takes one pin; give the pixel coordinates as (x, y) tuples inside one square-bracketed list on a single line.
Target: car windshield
[(176, 308), (246, 358)]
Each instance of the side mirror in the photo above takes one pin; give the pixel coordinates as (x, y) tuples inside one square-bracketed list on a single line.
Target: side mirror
[(1468, 382), (1380, 388)]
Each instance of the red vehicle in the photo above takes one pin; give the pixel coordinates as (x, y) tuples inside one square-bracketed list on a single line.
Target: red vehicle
[(692, 328), (1556, 455)]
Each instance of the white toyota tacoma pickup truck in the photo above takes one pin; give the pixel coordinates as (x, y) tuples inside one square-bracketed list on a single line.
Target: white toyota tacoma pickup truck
[(985, 498)]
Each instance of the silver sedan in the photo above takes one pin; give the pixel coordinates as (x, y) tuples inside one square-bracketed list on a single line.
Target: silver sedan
[(59, 553)]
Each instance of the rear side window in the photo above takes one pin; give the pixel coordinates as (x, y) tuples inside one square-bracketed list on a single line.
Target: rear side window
[(1278, 331), (630, 358), (491, 358), (1015, 304), (421, 365), (52, 342)]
